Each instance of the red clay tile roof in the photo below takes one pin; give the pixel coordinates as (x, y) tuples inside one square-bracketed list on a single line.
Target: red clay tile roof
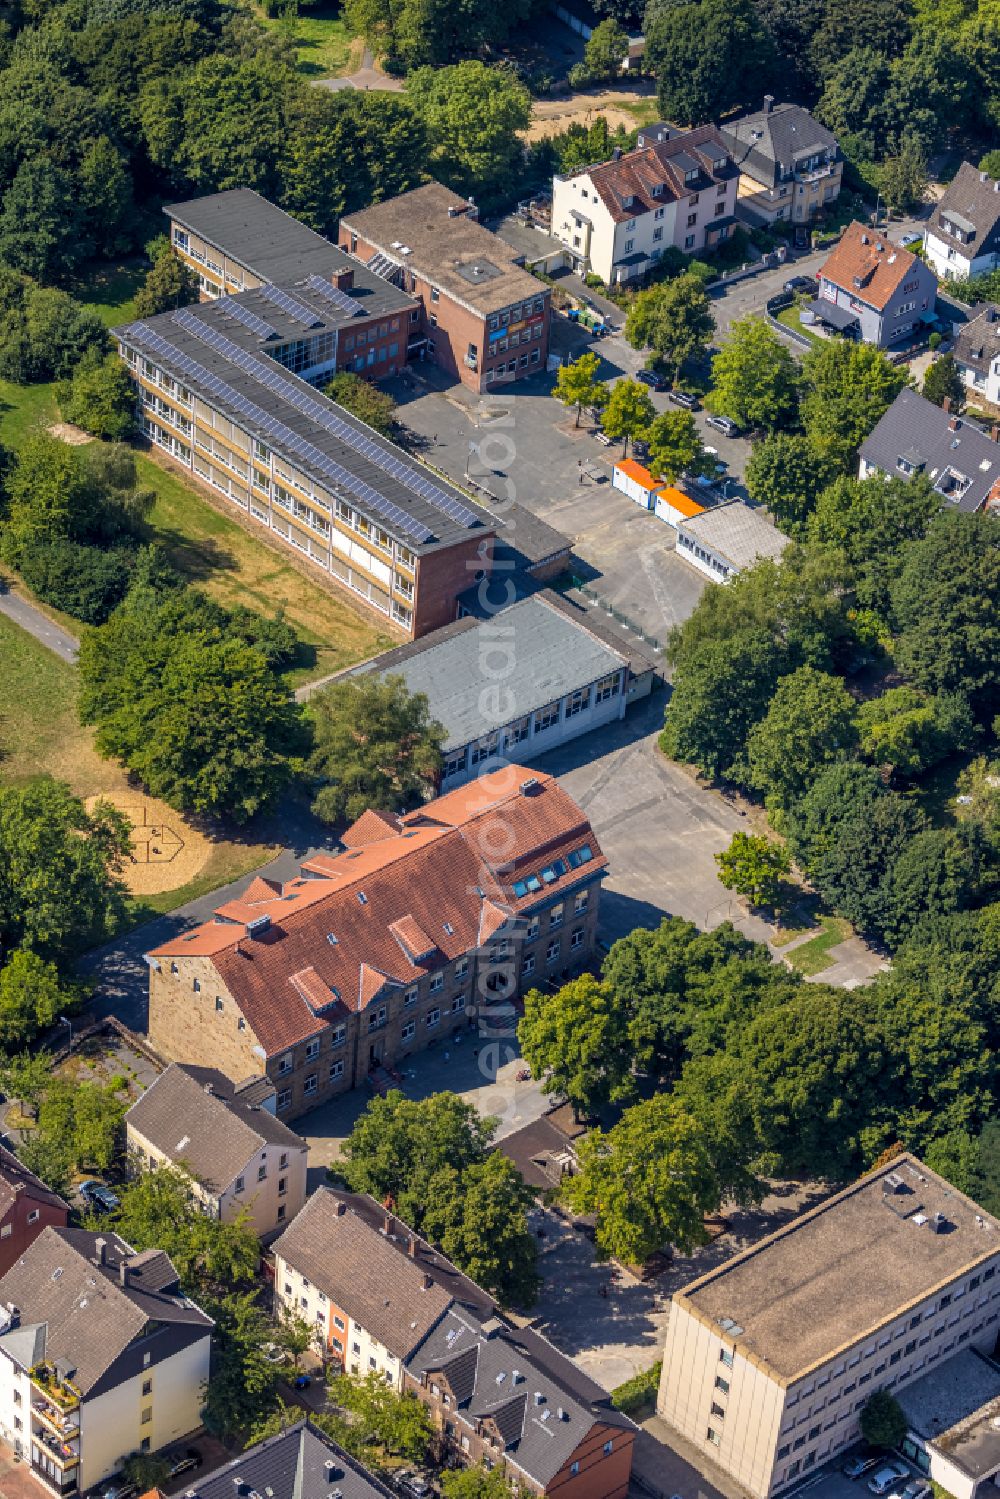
[(631, 179), (371, 827), (448, 873), (867, 265)]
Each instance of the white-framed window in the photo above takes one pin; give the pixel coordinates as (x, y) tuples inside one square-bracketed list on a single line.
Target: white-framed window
[(239, 1184), (338, 1035), (556, 915), (577, 701), (409, 1031), (285, 1064), (284, 1100), (461, 968), (336, 1070), (311, 1083), (576, 940), (433, 1017), (528, 966), (458, 1004), (552, 952), (410, 997), (581, 901), (436, 983), (312, 1050)]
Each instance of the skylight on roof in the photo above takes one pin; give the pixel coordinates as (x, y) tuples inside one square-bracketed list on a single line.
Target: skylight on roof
[(362, 898)]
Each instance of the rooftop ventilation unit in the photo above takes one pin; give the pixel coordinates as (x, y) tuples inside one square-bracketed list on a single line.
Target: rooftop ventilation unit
[(892, 1184)]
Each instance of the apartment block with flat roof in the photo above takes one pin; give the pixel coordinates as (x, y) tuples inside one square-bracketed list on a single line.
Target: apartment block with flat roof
[(227, 403), (485, 318), (770, 1358)]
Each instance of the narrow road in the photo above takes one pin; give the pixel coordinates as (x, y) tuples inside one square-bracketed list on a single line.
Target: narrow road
[(58, 640)]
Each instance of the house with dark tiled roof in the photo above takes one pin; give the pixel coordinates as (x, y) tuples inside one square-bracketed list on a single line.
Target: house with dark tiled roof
[(505, 1397), (962, 237), (422, 924), (790, 165), (242, 1160), (101, 1355), (617, 217), (27, 1207), (370, 1287), (873, 290), (976, 352), (301, 1462), (917, 437)]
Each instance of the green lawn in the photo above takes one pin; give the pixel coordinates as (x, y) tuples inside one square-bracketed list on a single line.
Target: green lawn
[(812, 957), (644, 111), (110, 291), (21, 408), (790, 317), (321, 40)]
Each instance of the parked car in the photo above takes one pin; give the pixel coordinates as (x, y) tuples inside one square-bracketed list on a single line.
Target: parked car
[(918, 1488), (99, 1197), (652, 378), (802, 283), (886, 1477), (604, 439), (723, 424), (415, 1485), (685, 399), (911, 237), (862, 1462), (184, 1460), (719, 463)]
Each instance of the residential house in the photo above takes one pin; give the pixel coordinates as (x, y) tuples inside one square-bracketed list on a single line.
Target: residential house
[(872, 290), (485, 318), (976, 352), (570, 679), (917, 437), (384, 1301), (544, 1151), (617, 218), (790, 165), (771, 1357), (373, 954), (962, 237), (503, 1397), (723, 541), (27, 1207), (301, 1462), (242, 1159), (101, 1355), (369, 1286), (367, 516)]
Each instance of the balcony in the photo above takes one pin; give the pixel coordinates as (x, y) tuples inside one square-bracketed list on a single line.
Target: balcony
[(63, 1424), (816, 174), (62, 1453), (60, 1392), (68, 1484)]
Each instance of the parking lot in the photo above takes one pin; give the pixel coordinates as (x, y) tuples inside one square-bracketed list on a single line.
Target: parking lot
[(831, 1483)]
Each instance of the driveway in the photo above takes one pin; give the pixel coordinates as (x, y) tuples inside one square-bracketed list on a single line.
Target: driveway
[(31, 618)]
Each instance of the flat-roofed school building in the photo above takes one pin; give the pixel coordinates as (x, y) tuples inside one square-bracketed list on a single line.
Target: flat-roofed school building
[(770, 1358), (213, 396)]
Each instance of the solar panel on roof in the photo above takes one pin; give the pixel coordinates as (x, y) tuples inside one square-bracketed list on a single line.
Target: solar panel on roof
[(148, 338), (384, 458), (295, 309), (333, 294), (249, 319)]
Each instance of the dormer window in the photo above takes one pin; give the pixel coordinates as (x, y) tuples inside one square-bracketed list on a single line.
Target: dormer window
[(692, 175), (658, 190), (721, 164)]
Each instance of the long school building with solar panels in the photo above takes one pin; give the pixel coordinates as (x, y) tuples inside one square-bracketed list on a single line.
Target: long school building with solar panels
[(217, 391)]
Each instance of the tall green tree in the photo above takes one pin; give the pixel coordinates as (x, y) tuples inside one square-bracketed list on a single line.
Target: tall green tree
[(472, 115), (847, 387), (943, 382), (754, 866), (577, 384), (400, 1143), (943, 603), (364, 400), (576, 1042), (99, 398), (873, 521), (169, 283), (605, 51), (479, 1217), (39, 222), (708, 57), (787, 474), (755, 378), (883, 1423), (673, 319), (398, 1425), (809, 724), (649, 1180), (159, 1210), (675, 446), (32, 996), (629, 411), (375, 745), (61, 887)]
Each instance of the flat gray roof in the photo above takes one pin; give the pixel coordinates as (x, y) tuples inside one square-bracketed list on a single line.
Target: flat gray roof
[(225, 364), (837, 1273), (954, 1407), (457, 667), (257, 234), (736, 532)]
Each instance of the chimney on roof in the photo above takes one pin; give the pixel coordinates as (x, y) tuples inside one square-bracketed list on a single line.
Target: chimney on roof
[(411, 1246), (210, 1088), (101, 1250), (124, 1275), (946, 404), (954, 423), (616, 154), (428, 1282), (768, 103), (984, 176), (343, 279), (995, 431), (473, 209), (341, 1209), (530, 786), (388, 1223)]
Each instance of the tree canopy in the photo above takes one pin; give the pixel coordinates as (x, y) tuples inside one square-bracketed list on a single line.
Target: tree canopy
[(755, 378), (673, 319)]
